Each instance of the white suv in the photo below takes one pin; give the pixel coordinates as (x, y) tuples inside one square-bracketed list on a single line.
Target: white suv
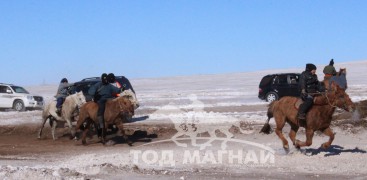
[(18, 98)]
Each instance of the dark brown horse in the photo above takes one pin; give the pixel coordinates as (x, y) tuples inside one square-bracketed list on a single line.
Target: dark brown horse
[(116, 113), (318, 117)]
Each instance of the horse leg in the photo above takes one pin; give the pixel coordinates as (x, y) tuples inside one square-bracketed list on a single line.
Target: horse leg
[(126, 138), (85, 132), (292, 134), (72, 133), (54, 124), (42, 126), (309, 136), (331, 135), (280, 122)]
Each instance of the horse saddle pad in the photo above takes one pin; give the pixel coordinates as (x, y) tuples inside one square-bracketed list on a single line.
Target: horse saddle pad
[(298, 103)]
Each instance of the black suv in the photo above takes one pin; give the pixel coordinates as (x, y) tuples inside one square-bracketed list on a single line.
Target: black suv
[(274, 86), (86, 83)]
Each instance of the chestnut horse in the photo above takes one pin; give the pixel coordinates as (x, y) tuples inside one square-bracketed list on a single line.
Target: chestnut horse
[(318, 117), (116, 112)]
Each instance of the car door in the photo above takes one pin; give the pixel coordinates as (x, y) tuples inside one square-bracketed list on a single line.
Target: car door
[(6, 97), (281, 85), (293, 82)]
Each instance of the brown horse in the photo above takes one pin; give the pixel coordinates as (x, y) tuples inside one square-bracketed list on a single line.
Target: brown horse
[(318, 117), (116, 112)]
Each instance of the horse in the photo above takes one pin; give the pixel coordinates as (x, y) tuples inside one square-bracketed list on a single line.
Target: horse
[(340, 79), (116, 112), (318, 117), (69, 109)]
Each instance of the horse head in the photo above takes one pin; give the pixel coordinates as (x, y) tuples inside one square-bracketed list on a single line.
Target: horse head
[(342, 71), (126, 107), (79, 98), (129, 94), (339, 98)]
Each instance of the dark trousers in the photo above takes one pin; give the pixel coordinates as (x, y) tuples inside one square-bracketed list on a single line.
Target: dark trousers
[(101, 106), (307, 104), (59, 102)]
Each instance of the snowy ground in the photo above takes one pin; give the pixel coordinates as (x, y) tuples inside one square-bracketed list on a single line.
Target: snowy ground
[(219, 101)]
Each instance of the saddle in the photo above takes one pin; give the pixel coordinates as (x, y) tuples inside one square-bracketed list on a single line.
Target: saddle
[(299, 101)]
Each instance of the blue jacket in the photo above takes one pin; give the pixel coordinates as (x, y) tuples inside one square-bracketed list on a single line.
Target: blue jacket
[(104, 91), (62, 90)]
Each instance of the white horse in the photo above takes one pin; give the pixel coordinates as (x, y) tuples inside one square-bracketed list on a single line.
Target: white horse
[(69, 109), (129, 94)]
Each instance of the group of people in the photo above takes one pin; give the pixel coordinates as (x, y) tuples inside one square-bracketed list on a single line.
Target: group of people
[(310, 86), (102, 91)]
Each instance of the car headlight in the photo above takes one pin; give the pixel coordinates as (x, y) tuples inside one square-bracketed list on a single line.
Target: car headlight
[(30, 97)]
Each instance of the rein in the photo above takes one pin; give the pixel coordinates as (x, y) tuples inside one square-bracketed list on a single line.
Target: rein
[(328, 100)]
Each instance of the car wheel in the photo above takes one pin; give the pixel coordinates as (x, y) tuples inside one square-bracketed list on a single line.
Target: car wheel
[(271, 96), (18, 105)]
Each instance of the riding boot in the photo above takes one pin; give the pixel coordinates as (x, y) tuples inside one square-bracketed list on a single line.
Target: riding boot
[(100, 126), (99, 132), (301, 116), (58, 111)]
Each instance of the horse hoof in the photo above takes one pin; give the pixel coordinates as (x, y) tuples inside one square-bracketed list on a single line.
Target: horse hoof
[(84, 142), (286, 147), (324, 146), (130, 144)]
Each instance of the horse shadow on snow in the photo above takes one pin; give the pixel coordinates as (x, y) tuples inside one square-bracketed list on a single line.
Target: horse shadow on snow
[(331, 151)]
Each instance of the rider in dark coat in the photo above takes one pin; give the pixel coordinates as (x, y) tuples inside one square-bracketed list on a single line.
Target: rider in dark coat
[(102, 91), (309, 85)]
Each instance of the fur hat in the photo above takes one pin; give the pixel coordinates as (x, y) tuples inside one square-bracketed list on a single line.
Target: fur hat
[(64, 80), (104, 78), (111, 78), (310, 67), (331, 62)]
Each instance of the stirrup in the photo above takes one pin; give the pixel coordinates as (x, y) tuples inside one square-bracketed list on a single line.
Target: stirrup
[(301, 116), (58, 111)]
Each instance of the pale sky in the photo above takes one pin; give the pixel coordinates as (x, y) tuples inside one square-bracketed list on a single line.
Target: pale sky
[(44, 41)]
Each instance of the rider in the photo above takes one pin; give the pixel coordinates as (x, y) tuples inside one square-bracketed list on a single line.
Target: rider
[(309, 86), (102, 91), (329, 70), (112, 80), (62, 93)]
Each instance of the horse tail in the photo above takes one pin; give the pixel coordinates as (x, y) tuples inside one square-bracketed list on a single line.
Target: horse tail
[(52, 119), (83, 115), (266, 128), (45, 112)]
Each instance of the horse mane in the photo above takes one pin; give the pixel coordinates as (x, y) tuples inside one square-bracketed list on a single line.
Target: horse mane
[(342, 71)]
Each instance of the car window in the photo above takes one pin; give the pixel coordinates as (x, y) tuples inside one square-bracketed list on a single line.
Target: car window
[(3, 89), (293, 79), (280, 79), (19, 89), (283, 79), (266, 80)]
